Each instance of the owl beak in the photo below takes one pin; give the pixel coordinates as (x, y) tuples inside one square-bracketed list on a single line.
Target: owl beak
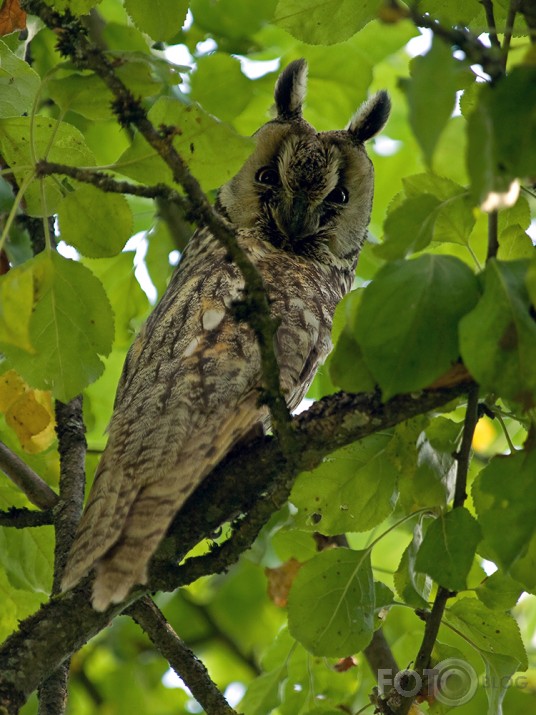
[(295, 218)]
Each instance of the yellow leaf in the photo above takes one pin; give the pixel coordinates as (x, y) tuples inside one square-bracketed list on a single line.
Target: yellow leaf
[(28, 412)]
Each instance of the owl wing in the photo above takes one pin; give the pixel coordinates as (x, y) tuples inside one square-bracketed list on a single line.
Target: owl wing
[(188, 392)]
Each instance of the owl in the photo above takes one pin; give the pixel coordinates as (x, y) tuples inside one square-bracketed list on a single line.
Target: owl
[(191, 382)]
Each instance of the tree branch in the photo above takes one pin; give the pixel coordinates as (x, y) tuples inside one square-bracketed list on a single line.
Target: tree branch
[(106, 182), (37, 490), (434, 618), (72, 448), (63, 625), (469, 44), (23, 518), (490, 19), (513, 8), (183, 661)]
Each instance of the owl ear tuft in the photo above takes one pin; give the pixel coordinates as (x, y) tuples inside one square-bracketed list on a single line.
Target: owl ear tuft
[(290, 90), (370, 118)]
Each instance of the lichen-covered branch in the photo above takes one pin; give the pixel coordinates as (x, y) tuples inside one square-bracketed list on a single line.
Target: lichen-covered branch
[(108, 183), (70, 429), (24, 518)]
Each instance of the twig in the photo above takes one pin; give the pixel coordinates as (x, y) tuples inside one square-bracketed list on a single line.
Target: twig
[(23, 518), (37, 490), (490, 19), (183, 661), (509, 29), (72, 445), (493, 234), (107, 183), (434, 618)]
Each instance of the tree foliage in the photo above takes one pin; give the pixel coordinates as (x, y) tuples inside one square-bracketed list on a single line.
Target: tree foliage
[(117, 120)]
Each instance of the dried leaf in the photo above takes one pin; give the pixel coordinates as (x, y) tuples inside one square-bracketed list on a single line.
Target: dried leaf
[(12, 17), (280, 580)]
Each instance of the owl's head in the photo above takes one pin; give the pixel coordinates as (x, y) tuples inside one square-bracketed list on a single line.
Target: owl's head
[(305, 191)]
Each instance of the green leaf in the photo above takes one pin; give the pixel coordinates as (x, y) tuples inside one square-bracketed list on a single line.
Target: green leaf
[(409, 227), (407, 322), (76, 7), (22, 139), (16, 303), (347, 369), (414, 588), (447, 551), (324, 22), (331, 603), (352, 490), (430, 482), (220, 87), (498, 337), (502, 133), (212, 150), (17, 604), (18, 84), (514, 244), (499, 591), (490, 631), (85, 94), (27, 556), (71, 326), (129, 302), (436, 209), (499, 670), (160, 19), (438, 68), (96, 223), (262, 695), (232, 19), (505, 513)]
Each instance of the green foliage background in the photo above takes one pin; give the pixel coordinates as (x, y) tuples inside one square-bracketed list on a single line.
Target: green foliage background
[(425, 298)]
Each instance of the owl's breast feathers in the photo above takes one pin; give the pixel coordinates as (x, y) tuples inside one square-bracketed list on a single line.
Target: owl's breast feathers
[(189, 391)]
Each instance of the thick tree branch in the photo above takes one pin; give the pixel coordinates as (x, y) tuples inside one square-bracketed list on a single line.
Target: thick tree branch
[(37, 491), (72, 448), (183, 661), (108, 183), (64, 624)]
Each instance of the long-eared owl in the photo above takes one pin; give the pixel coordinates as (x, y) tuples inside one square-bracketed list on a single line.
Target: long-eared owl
[(189, 390)]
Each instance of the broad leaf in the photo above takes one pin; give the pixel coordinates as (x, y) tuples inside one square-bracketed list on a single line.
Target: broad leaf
[(71, 327), (428, 116), (331, 603), (407, 323), (16, 304), (324, 22), (447, 551), (500, 494), (498, 337), (96, 223), (499, 591), (414, 588), (352, 490), (18, 84), (161, 19)]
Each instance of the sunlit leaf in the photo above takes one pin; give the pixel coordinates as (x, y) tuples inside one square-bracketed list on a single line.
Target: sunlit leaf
[(161, 19), (18, 81), (331, 604)]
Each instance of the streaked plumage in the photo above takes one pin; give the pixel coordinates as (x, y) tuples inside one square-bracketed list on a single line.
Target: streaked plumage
[(190, 385)]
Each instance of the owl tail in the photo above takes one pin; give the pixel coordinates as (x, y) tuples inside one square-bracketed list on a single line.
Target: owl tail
[(125, 564)]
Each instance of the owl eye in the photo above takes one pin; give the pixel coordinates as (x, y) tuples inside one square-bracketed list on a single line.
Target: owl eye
[(339, 195), (267, 176)]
